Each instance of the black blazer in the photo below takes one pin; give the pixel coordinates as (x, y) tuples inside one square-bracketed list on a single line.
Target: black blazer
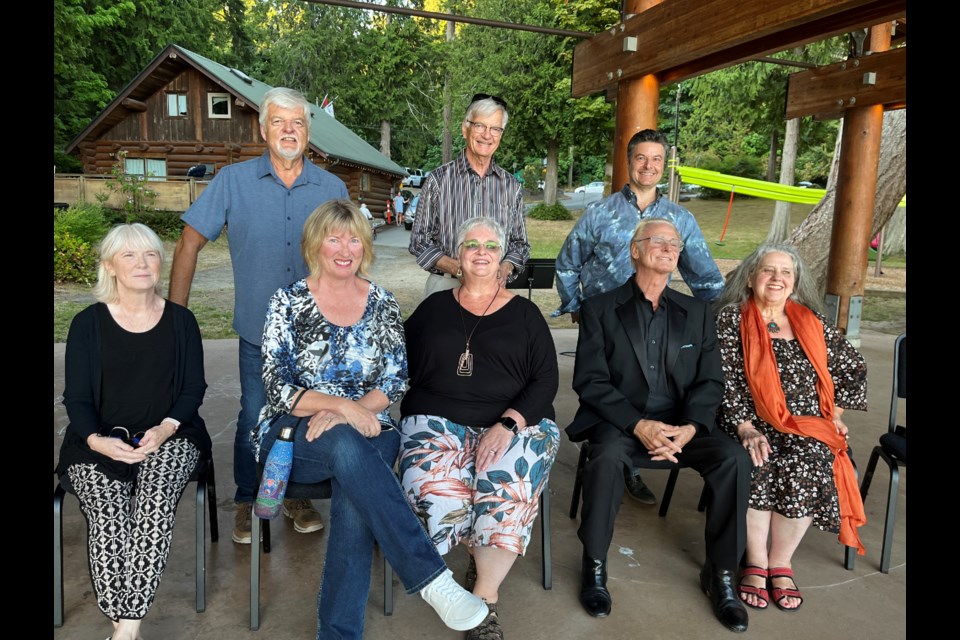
[(610, 371)]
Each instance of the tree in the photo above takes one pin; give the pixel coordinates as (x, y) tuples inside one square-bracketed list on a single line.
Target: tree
[(814, 232)]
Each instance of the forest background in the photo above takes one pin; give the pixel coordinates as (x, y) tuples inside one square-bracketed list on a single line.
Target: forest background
[(390, 77)]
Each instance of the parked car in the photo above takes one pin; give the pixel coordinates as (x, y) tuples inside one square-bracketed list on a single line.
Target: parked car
[(593, 187), (411, 213), (806, 184), (416, 177)]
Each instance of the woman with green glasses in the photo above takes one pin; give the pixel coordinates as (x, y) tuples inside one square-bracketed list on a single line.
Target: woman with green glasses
[(478, 436)]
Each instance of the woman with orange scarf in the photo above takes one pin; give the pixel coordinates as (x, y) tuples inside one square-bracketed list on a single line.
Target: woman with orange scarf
[(790, 375)]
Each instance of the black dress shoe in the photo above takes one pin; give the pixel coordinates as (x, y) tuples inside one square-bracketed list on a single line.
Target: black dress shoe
[(719, 586), (593, 587), (637, 489)]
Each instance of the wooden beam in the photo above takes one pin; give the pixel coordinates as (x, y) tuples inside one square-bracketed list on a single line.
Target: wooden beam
[(134, 105), (880, 78), (680, 39)]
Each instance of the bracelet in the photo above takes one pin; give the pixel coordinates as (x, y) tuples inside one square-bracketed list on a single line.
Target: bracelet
[(296, 400)]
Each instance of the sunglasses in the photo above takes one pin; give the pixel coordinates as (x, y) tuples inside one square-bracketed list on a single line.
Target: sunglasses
[(486, 96), (489, 245), (124, 434)]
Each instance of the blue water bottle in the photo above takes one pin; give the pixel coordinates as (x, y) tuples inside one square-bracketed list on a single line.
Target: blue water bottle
[(276, 473)]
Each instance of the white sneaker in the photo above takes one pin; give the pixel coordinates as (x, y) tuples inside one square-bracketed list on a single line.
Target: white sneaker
[(458, 608)]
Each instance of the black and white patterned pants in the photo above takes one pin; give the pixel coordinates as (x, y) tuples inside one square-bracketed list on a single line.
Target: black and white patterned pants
[(129, 530)]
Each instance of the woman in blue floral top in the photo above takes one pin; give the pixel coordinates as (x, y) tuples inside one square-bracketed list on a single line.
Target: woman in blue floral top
[(335, 360)]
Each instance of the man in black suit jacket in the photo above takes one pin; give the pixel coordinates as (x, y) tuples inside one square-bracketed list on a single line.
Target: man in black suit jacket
[(649, 379)]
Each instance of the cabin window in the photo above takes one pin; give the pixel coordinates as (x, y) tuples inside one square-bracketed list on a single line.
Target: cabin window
[(153, 168), (364, 181), (176, 105), (218, 105)]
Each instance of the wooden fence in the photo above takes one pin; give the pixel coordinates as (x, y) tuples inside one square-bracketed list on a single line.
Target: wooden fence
[(173, 193)]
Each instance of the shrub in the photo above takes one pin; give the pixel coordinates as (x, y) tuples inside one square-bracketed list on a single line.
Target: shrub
[(73, 259), (167, 224), (85, 222), (550, 212)]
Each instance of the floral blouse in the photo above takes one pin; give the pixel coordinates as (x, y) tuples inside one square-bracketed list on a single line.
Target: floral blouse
[(302, 349)]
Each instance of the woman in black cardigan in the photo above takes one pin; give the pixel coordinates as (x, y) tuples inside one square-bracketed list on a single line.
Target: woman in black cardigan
[(133, 384)]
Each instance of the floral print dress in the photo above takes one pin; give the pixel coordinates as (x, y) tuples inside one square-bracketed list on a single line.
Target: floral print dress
[(797, 481), (303, 350)]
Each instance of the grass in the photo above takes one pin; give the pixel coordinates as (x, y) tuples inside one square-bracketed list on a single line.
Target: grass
[(747, 228)]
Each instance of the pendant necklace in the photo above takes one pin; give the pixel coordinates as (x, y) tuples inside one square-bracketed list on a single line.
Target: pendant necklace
[(465, 365), (773, 327)]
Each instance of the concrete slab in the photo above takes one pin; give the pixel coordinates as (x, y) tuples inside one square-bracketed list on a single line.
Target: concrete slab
[(653, 561)]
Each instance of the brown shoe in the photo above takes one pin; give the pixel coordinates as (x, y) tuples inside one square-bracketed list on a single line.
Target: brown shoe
[(306, 519), (241, 524), (490, 628)]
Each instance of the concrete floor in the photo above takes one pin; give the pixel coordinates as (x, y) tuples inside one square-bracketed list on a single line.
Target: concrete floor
[(653, 561)]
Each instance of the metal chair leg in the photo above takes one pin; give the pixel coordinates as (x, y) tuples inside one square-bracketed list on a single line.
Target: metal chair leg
[(201, 546), (58, 494), (254, 572), (578, 482), (887, 550), (668, 491), (387, 588), (546, 551)]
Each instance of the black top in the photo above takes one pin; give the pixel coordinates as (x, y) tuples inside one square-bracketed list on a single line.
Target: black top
[(137, 385), (84, 376), (514, 362), (662, 401)]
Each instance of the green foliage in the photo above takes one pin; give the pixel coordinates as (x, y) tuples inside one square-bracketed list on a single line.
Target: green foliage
[(84, 222), (550, 212), (136, 195), (73, 259), (166, 224)]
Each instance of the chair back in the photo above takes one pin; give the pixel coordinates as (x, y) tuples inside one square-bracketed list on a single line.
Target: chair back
[(899, 381)]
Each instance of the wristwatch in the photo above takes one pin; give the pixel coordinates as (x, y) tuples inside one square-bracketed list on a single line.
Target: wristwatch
[(509, 424)]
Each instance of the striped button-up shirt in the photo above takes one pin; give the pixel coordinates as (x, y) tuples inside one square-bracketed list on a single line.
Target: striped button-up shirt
[(454, 193)]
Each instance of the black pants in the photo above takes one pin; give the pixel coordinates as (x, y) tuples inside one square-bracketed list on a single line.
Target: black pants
[(723, 464)]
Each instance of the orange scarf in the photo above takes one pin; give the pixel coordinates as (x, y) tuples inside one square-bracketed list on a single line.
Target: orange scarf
[(760, 366)]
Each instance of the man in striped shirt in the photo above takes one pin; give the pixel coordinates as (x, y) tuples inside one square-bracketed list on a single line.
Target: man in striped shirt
[(470, 185)]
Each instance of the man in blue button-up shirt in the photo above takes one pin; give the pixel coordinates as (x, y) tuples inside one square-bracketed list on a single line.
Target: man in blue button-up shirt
[(595, 257), (264, 203)]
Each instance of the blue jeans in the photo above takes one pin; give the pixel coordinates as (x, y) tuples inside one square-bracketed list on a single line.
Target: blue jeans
[(367, 504), (253, 397)]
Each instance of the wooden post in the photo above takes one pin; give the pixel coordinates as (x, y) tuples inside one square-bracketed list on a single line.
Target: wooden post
[(853, 213), (637, 102)]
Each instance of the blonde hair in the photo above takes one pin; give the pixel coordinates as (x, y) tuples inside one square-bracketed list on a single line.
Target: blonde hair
[(331, 216), (135, 236)]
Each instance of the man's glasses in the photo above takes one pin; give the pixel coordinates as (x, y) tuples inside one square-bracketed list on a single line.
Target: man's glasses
[(486, 96), (124, 434), (296, 123), (660, 241), (481, 128), (489, 245)]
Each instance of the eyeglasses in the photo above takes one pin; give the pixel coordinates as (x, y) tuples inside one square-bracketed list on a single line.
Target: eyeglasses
[(660, 241), (481, 128), (489, 245), (296, 123), (486, 96), (124, 434)]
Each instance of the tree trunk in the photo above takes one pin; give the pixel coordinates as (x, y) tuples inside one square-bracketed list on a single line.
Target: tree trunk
[(812, 237), (780, 226), (895, 234), (385, 138), (550, 181), (448, 102), (570, 171), (772, 156)]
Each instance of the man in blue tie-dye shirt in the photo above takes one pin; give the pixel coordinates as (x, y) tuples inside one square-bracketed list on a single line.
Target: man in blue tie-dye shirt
[(595, 257)]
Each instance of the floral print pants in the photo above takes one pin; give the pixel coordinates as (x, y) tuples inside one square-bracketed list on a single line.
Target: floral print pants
[(493, 508)]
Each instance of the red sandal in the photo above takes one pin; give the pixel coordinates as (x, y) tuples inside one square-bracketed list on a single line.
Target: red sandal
[(780, 594), (760, 592)]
